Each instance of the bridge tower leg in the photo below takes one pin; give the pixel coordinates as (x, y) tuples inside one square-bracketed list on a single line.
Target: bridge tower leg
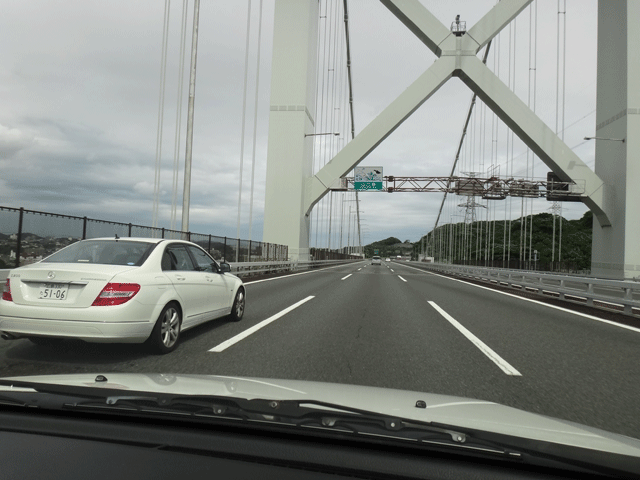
[(290, 153), (616, 249)]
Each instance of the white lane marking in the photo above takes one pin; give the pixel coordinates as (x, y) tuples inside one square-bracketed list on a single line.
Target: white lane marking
[(360, 269), (401, 278), (493, 356), (391, 269), (292, 275), (255, 328), (562, 309), (346, 276)]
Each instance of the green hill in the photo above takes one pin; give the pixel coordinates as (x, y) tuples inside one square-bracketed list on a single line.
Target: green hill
[(489, 242)]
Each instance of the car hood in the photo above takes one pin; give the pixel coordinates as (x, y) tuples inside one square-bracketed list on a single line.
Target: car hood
[(464, 413)]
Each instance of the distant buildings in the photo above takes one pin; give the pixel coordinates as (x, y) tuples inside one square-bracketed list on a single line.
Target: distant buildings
[(33, 248)]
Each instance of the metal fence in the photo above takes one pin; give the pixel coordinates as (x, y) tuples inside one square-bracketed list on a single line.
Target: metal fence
[(326, 254), (27, 236)]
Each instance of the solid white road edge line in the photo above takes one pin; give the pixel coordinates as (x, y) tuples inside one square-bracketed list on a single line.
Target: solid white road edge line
[(401, 278), (233, 340), (346, 276), (562, 309), (493, 356), (293, 275)]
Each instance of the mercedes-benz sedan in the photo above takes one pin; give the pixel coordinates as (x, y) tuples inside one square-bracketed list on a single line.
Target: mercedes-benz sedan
[(128, 290)]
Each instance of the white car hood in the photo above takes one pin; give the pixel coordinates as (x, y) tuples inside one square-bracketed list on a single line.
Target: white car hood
[(450, 410)]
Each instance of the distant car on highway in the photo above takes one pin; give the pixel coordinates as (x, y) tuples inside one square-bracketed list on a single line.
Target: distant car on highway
[(376, 260), (119, 290), (388, 260)]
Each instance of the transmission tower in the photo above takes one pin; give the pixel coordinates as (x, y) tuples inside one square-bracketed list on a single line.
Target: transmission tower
[(556, 210)]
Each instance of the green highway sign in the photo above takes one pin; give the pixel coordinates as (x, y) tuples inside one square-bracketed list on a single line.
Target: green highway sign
[(367, 178)]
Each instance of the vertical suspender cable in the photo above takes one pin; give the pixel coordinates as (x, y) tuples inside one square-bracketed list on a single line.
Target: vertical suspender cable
[(512, 135), (176, 151), (316, 209), (315, 156), (353, 130), (331, 92), (163, 75), (186, 193), (244, 114), (533, 9), (255, 123), (564, 83)]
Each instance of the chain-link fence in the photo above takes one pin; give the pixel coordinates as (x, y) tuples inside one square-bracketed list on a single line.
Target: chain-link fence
[(28, 236)]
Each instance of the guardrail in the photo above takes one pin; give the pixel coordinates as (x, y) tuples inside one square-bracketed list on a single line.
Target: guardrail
[(252, 268), (618, 295)]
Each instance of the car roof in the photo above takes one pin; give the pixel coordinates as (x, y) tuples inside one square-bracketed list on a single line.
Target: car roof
[(137, 239)]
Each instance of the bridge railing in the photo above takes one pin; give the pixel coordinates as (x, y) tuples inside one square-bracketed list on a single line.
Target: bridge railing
[(617, 295), (246, 269), (27, 236), (253, 268)]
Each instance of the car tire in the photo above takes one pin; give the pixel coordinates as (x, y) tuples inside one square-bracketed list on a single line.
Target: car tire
[(237, 310), (166, 332)]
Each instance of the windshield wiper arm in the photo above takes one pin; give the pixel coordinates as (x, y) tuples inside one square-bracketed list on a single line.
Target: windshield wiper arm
[(297, 413)]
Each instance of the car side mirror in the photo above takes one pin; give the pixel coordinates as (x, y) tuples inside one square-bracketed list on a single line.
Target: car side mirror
[(225, 267)]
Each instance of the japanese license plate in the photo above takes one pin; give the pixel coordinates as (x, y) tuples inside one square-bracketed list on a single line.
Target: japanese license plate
[(53, 291)]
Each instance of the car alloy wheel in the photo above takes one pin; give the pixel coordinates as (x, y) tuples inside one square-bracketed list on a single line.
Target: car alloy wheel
[(237, 311), (166, 332)]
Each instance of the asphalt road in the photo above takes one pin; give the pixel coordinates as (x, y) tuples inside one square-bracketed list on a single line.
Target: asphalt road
[(398, 327)]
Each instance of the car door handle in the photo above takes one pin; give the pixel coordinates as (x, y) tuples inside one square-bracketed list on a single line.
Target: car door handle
[(180, 278)]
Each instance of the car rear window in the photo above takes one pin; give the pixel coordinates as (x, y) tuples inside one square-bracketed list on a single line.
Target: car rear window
[(104, 252), (376, 258)]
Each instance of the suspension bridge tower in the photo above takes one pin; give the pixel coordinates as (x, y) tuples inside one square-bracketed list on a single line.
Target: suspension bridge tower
[(616, 249), (291, 121)]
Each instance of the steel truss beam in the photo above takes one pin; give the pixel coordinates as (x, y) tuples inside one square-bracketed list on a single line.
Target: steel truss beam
[(491, 188), (457, 57)]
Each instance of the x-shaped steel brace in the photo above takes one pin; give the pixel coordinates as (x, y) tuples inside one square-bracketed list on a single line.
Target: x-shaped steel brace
[(458, 58)]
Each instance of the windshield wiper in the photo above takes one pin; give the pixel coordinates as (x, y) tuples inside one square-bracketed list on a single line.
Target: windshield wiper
[(322, 416), (310, 414)]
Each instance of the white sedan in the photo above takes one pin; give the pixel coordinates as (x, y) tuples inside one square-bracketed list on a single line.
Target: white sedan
[(127, 290)]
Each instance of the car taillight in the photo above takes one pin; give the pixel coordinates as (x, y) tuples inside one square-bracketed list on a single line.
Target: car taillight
[(6, 292), (116, 294)]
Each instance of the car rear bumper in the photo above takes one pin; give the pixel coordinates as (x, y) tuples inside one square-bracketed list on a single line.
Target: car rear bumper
[(97, 332)]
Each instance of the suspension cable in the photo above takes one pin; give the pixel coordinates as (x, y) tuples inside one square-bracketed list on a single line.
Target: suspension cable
[(244, 115), (163, 74), (176, 151), (255, 123)]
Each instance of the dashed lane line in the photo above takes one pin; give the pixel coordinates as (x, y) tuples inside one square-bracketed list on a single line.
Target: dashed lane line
[(585, 315), (493, 356), (292, 275), (233, 340)]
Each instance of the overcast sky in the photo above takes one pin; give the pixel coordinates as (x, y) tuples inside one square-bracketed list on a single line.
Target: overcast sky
[(79, 95)]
